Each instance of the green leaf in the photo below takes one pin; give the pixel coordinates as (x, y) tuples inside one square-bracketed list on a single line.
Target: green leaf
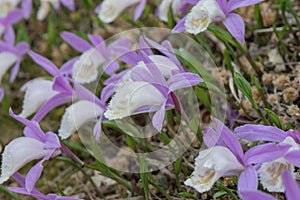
[(131, 143), (219, 194), (204, 97), (244, 86), (258, 17), (275, 119), (171, 21), (144, 174), (187, 195), (227, 60)]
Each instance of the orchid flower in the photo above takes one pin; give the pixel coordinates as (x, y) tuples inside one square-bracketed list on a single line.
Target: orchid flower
[(86, 109), (35, 144), (34, 193), (11, 55), (222, 143), (208, 11), (109, 10), (177, 7), (270, 172), (9, 19), (45, 7), (144, 89), (41, 95), (85, 70)]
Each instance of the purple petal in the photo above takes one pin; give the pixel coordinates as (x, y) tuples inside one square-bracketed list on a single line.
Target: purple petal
[(141, 74), (248, 179), (292, 189), (230, 140), (255, 194), (33, 175), (14, 72), (183, 80), (98, 8), (266, 153), (111, 67), (75, 41), (166, 49), (45, 63), (1, 94), (158, 119), (66, 69), (235, 25), (97, 40), (233, 4), (69, 4), (26, 8), (32, 125), (52, 103), (155, 72), (14, 16), (62, 85), (192, 2), (293, 157), (85, 94), (107, 92), (97, 128), (145, 47), (52, 141), (9, 36), (180, 27), (253, 132), (139, 10)]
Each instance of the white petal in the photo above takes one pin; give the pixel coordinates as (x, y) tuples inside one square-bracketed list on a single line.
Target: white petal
[(163, 10), (19, 152), (211, 164), (7, 60), (164, 64), (85, 70), (202, 14), (43, 10), (131, 97), (111, 9), (270, 174), (37, 93), (76, 115)]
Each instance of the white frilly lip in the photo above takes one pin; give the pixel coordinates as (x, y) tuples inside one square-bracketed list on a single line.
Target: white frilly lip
[(211, 164), (131, 97), (85, 70), (7, 60), (76, 115), (38, 91), (18, 153), (111, 9), (270, 173), (202, 14)]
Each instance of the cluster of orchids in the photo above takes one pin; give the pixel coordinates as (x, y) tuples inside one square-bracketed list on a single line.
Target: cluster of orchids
[(139, 78)]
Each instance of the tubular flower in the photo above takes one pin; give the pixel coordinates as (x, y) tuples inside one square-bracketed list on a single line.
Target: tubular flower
[(210, 165), (34, 145), (86, 68), (11, 55), (208, 11), (177, 7)]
